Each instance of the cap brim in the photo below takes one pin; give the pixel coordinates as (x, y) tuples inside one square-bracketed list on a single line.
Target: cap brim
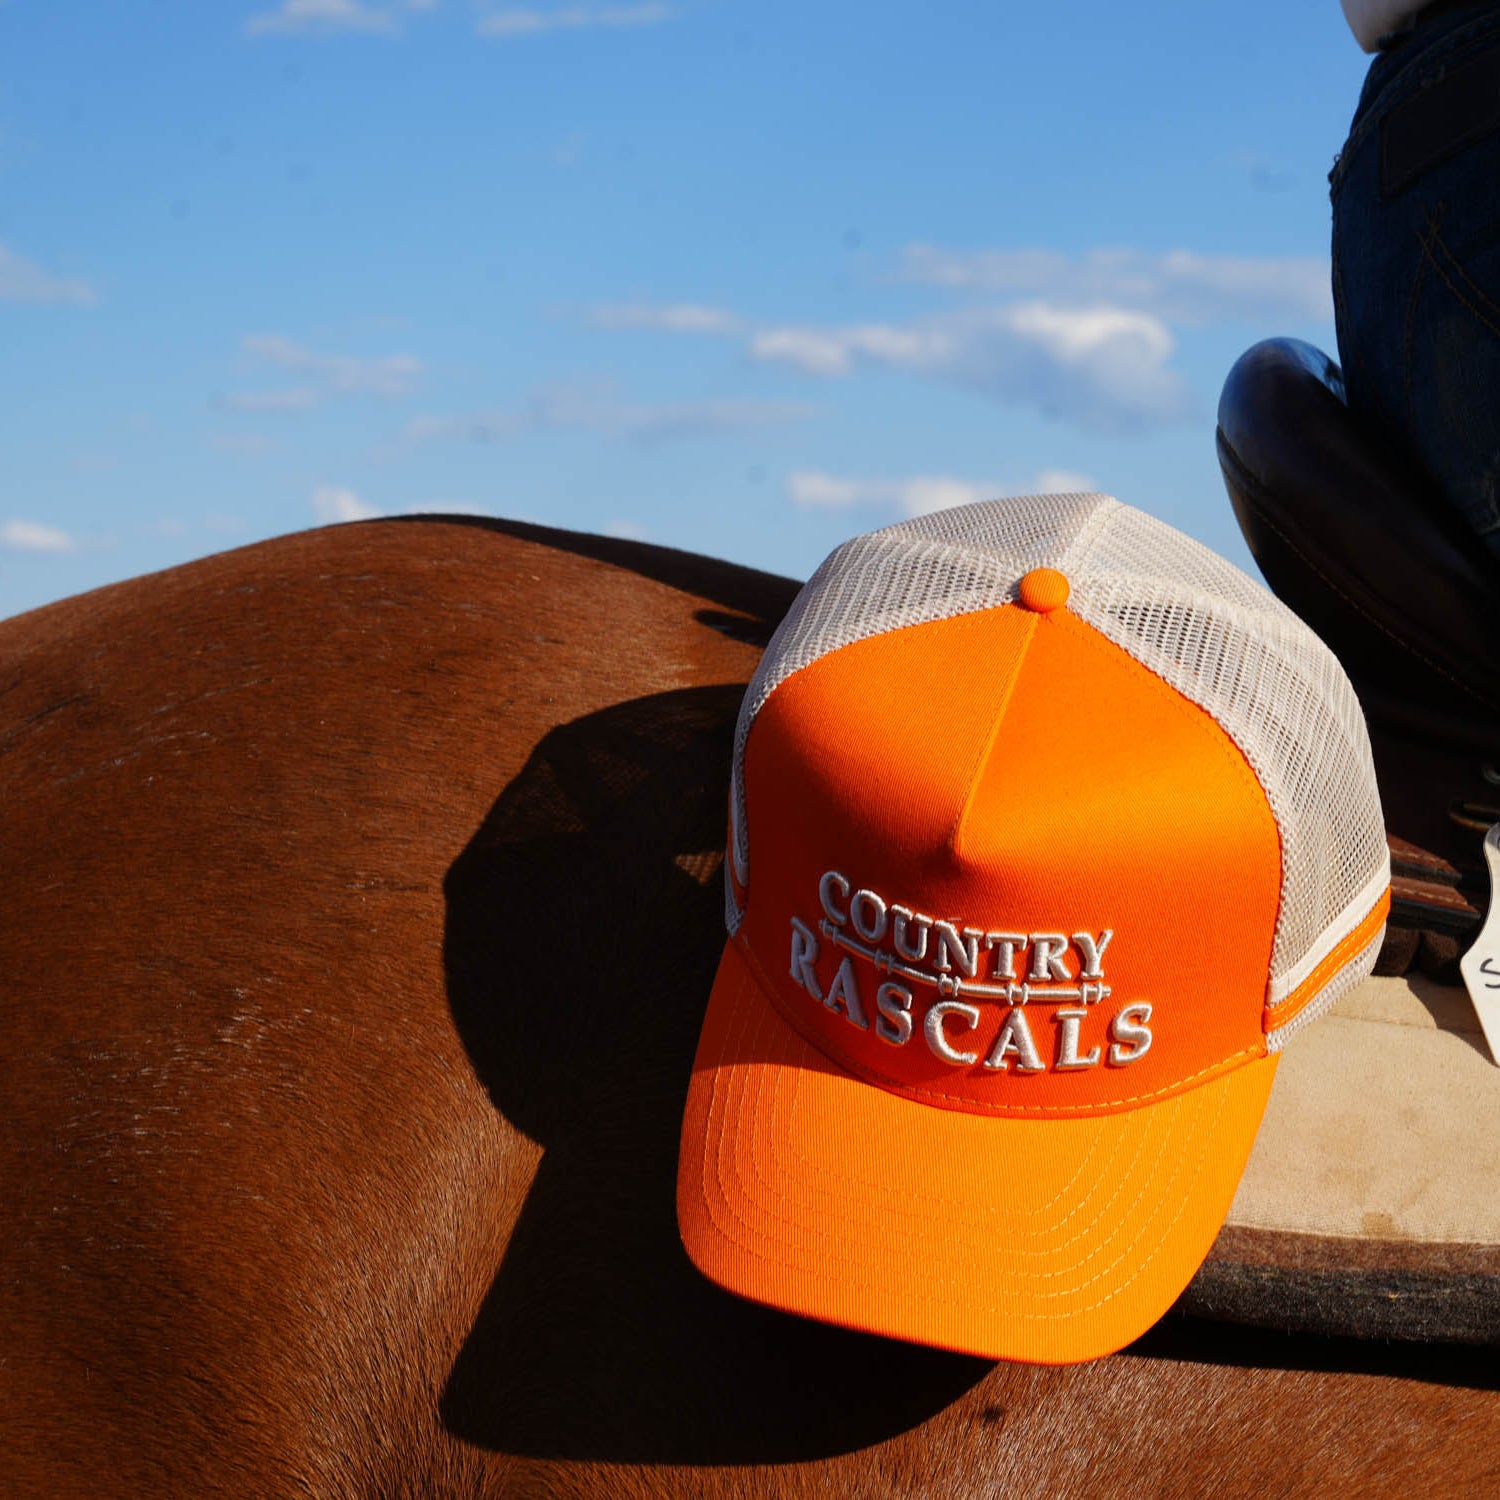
[(1051, 1241)]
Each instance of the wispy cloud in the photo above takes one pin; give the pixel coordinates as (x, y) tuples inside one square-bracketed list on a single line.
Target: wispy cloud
[(1101, 366), (322, 375), (507, 25), (388, 375), (34, 536), (1058, 482), (917, 494), (1087, 338), (1179, 285), (332, 18), (600, 409), (675, 317), (23, 281), (332, 503)]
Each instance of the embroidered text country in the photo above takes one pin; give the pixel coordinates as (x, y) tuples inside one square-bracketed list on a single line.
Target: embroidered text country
[(957, 954)]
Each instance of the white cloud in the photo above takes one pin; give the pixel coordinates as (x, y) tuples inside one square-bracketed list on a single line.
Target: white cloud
[(1181, 286), (925, 493), (817, 353), (918, 494), (22, 281), (599, 409), (332, 17), (1102, 366), (815, 490), (677, 317), (332, 503), (389, 375), (1061, 482), (626, 531), (506, 25), (1085, 337), (34, 536)]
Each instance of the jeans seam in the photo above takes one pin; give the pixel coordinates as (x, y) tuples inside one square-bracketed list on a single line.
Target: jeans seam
[(1474, 299), (1409, 331), (1482, 310)]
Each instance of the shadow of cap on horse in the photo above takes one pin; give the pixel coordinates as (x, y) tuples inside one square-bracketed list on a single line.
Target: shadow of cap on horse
[(584, 924)]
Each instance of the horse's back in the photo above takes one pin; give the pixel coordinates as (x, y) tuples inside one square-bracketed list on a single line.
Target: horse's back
[(255, 1189), (361, 903)]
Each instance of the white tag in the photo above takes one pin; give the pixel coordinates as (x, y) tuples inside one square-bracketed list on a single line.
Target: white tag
[(1480, 966)]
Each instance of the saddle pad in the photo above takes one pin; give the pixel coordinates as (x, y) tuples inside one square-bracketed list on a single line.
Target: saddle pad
[(1369, 1204)]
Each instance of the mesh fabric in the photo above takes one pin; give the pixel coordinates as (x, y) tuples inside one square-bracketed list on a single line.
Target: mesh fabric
[(1198, 622)]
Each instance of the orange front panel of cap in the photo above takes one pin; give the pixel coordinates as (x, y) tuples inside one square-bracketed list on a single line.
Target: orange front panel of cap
[(997, 865)]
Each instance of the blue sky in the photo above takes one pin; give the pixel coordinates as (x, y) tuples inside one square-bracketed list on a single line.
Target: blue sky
[(744, 279)]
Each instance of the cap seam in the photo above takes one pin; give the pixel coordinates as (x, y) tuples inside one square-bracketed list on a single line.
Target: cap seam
[(976, 775), (1079, 551)]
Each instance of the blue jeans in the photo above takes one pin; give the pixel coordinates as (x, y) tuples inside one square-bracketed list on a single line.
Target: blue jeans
[(1416, 256)]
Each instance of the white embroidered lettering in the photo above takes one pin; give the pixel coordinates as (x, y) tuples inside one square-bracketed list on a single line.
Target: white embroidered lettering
[(937, 1040), (1047, 949), (1005, 945), (804, 952), (1015, 1036), (893, 1024), (843, 996), (1130, 1027), (901, 918), (953, 948), (1093, 950), (826, 885), (867, 902), (906, 945), (1068, 1024)]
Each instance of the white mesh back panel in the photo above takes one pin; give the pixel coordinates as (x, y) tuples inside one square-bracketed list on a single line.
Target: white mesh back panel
[(1218, 637)]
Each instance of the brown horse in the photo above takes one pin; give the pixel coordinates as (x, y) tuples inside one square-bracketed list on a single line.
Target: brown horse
[(360, 901)]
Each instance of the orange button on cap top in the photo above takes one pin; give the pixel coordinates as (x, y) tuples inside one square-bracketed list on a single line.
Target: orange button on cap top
[(1043, 590)]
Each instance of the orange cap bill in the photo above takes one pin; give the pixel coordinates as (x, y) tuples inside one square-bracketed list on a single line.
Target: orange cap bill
[(803, 1187)]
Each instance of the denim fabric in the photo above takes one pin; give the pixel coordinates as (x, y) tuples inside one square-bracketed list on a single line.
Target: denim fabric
[(1416, 276)]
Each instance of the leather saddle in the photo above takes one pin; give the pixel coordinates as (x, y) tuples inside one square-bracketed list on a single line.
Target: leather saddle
[(1374, 560)]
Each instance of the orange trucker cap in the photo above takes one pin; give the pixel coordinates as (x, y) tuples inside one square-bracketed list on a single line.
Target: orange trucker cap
[(1048, 827)]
